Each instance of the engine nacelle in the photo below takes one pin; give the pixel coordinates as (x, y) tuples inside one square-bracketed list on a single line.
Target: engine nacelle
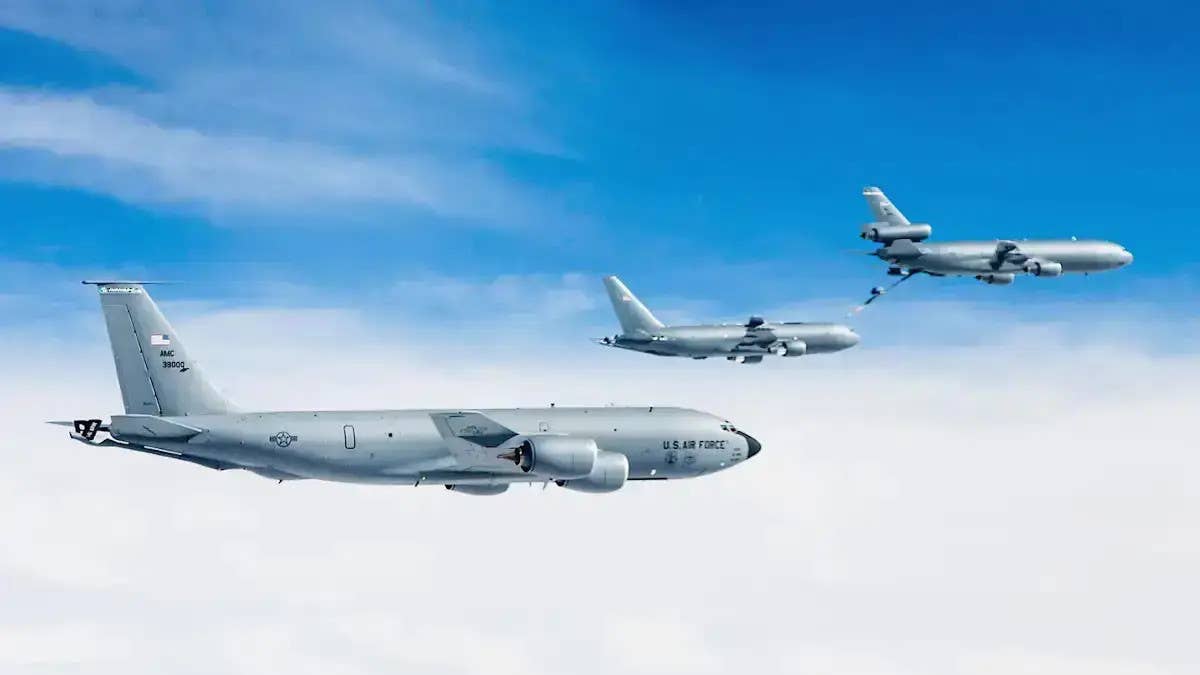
[(562, 457), (997, 278), (480, 490), (886, 233), (1044, 268), (608, 475), (791, 348)]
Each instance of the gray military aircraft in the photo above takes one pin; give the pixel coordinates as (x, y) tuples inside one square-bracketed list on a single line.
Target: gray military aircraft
[(172, 411), (996, 261), (744, 343)]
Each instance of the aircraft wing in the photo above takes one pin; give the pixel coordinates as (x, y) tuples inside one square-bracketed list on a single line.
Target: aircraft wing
[(1006, 251), (472, 427), (473, 438)]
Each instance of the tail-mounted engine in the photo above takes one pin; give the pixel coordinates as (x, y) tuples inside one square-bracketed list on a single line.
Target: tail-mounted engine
[(560, 457), (886, 233)]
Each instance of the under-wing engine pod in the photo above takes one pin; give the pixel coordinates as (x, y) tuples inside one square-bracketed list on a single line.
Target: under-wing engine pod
[(608, 475), (1043, 268), (562, 457), (793, 348)]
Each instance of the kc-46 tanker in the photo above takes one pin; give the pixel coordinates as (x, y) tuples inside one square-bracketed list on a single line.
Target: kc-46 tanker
[(743, 343)]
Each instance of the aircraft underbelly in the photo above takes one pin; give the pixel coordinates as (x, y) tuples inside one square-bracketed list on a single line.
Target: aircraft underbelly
[(708, 346)]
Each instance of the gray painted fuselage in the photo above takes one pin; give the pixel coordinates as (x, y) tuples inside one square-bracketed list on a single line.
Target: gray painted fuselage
[(738, 340), (407, 447), (171, 410), (979, 257), (641, 331)]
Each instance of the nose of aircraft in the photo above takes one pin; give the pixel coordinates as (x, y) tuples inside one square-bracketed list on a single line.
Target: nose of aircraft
[(753, 447), (1124, 257), (847, 337)]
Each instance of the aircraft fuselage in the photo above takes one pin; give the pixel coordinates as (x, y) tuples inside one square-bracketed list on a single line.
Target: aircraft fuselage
[(738, 340), (407, 447), (976, 257)]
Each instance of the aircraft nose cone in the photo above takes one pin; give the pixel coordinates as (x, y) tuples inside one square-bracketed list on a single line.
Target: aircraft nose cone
[(850, 338), (1124, 257), (753, 447)]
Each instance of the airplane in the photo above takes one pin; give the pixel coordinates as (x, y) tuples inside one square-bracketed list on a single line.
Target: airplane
[(743, 343), (172, 411), (996, 261)]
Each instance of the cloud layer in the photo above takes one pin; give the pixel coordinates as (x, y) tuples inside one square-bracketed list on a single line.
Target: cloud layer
[(1020, 506), (275, 110)]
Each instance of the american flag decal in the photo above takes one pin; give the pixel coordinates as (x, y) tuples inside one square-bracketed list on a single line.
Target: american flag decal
[(159, 340)]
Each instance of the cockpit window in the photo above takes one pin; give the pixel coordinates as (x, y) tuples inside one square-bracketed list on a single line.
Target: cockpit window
[(726, 426)]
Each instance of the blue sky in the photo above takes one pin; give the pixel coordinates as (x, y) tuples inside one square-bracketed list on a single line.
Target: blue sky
[(407, 205), (289, 153)]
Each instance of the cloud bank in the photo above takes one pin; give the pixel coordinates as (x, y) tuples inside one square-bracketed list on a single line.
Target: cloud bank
[(1020, 506)]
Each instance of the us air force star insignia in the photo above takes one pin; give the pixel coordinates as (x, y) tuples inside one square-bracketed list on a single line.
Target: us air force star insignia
[(283, 439)]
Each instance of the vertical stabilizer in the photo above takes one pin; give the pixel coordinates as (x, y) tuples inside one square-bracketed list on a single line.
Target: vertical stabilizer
[(634, 317), (153, 368), (882, 208)]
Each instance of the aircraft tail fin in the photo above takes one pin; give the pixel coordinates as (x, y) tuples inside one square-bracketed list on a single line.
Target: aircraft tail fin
[(882, 208), (633, 315), (154, 371)]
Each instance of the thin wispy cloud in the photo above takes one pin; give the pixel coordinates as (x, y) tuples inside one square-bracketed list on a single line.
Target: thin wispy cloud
[(82, 143), (276, 109), (542, 297)]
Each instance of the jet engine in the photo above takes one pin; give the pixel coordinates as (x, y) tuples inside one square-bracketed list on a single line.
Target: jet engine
[(1043, 268), (480, 490), (793, 348), (608, 474), (886, 233), (997, 278), (563, 457)]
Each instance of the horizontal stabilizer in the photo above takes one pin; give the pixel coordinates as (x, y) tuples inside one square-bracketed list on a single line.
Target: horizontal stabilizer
[(137, 447), (149, 426)]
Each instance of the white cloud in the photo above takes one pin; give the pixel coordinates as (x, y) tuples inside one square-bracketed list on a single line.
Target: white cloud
[(133, 157), (277, 110), (924, 512), (540, 297), (658, 643)]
